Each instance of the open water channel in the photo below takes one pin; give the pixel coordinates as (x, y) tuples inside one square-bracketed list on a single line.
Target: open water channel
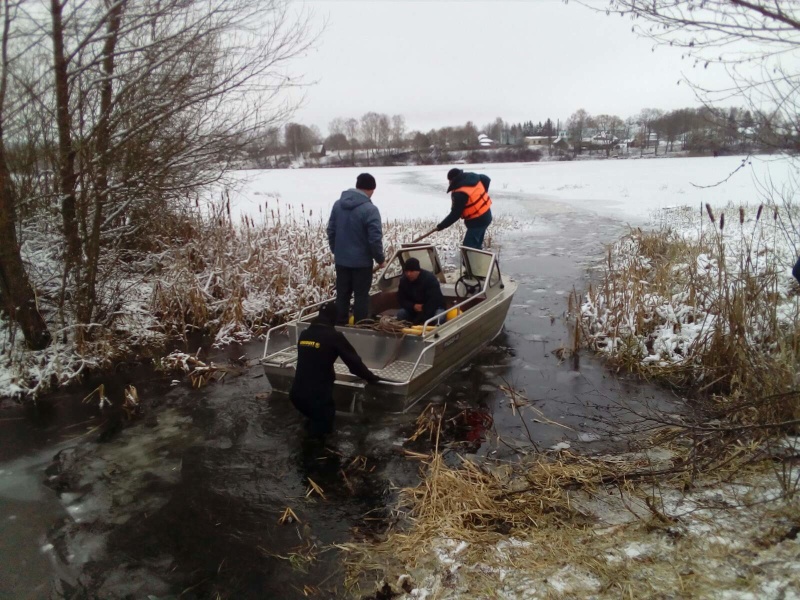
[(185, 502)]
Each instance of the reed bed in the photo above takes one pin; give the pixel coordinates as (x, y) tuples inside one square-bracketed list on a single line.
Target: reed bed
[(561, 526), (490, 520), (237, 280), (705, 303)]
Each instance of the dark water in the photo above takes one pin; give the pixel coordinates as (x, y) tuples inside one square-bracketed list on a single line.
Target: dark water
[(186, 500)]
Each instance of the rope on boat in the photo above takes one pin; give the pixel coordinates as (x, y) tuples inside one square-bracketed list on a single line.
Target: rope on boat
[(385, 324)]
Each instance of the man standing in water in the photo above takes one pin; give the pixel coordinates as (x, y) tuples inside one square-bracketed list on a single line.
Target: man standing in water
[(356, 240), (317, 349), (471, 202)]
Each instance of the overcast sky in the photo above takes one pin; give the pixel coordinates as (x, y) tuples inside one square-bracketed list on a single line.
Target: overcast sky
[(442, 63)]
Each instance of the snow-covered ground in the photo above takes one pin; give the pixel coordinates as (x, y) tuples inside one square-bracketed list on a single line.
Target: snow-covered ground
[(630, 189)]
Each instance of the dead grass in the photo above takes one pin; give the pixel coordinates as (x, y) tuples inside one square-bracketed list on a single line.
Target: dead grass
[(467, 530), (707, 314), (237, 280)]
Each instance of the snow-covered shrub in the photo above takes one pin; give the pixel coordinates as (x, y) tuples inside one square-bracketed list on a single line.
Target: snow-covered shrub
[(708, 304)]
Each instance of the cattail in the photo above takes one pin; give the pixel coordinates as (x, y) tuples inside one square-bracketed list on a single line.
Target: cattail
[(741, 215), (722, 221), (710, 213), (259, 208), (758, 214)]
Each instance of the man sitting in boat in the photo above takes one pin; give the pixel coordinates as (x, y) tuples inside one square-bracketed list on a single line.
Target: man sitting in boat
[(419, 294), (317, 349)]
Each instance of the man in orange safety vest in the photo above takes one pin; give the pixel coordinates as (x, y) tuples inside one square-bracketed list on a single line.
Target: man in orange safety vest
[(469, 193)]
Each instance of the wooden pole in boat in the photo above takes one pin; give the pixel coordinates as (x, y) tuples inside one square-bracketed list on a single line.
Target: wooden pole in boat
[(424, 235)]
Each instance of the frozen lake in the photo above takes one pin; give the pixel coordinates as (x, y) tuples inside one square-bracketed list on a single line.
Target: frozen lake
[(629, 190)]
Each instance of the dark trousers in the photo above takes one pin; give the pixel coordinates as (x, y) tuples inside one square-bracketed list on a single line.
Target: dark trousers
[(476, 230), (796, 270), (353, 282), (319, 409), (474, 237)]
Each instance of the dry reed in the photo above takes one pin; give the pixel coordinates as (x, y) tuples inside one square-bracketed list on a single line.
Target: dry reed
[(706, 314)]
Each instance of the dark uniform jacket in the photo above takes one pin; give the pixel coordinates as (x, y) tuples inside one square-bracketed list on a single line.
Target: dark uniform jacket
[(459, 201), (318, 348), (425, 290)]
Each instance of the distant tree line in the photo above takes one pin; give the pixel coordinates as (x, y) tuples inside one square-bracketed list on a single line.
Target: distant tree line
[(703, 130), (381, 139)]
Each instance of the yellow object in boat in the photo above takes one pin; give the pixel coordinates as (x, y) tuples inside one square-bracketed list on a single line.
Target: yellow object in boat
[(453, 313)]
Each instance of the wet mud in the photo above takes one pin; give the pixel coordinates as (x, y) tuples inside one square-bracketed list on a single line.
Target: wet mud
[(218, 492)]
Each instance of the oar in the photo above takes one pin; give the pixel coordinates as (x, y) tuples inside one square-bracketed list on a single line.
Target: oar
[(424, 235)]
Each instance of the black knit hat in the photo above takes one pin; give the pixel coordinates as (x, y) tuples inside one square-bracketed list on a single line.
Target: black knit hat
[(365, 181), (328, 312), (453, 173), (412, 264)]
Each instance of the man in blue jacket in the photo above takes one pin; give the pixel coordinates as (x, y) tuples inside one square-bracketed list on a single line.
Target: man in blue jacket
[(419, 294), (356, 240)]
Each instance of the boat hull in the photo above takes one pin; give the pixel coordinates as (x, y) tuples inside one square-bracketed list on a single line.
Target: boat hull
[(409, 363)]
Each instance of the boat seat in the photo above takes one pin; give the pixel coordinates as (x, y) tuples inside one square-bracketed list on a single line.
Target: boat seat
[(398, 370), (283, 358)]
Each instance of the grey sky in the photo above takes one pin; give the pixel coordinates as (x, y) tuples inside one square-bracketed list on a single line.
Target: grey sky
[(445, 62)]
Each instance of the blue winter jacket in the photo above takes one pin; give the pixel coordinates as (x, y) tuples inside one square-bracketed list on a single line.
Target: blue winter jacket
[(354, 231)]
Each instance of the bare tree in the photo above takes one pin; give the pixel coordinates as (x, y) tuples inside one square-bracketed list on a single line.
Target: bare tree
[(755, 41), (351, 129), (646, 118), (153, 101), (336, 126), (384, 132), (466, 136), (16, 292), (495, 130), (611, 126), (370, 130), (300, 139), (578, 122), (398, 131)]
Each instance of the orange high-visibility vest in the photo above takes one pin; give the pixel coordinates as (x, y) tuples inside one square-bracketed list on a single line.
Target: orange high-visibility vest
[(478, 201)]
